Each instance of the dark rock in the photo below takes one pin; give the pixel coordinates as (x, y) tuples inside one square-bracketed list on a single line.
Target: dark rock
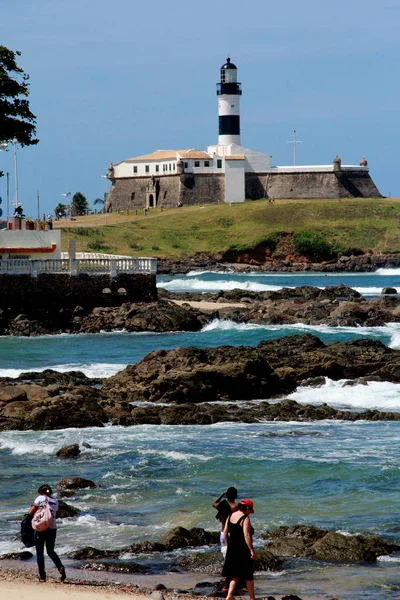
[(327, 546), (160, 587), (24, 555), (266, 561), (50, 377), (75, 483), (389, 290), (179, 537), (71, 451), (66, 510), (115, 567), (89, 552), (334, 547), (202, 562)]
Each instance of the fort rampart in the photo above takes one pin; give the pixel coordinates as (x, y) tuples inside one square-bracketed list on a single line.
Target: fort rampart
[(187, 189), (132, 193), (311, 185)]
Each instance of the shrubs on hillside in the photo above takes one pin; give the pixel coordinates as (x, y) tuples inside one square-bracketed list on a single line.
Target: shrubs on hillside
[(314, 245)]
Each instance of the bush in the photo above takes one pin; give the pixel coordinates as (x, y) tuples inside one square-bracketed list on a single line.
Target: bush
[(98, 246), (86, 231), (313, 244), (226, 221), (135, 246)]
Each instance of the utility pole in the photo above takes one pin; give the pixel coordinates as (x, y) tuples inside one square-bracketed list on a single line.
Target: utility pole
[(15, 142), (8, 195), (38, 211), (295, 141)]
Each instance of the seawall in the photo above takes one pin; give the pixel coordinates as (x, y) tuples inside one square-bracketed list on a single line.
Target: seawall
[(56, 291)]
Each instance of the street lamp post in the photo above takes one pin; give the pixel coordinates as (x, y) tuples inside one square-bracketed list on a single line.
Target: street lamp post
[(3, 147), (15, 142), (105, 198)]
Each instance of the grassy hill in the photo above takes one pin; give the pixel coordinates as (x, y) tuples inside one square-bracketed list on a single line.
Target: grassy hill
[(368, 224)]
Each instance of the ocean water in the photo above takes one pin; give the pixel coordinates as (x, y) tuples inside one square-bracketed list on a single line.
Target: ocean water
[(341, 476)]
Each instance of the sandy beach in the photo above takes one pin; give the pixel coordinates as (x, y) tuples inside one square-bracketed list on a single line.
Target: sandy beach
[(19, 582), (210, 306)]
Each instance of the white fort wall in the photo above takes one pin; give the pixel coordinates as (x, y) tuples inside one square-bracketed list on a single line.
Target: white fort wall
[(234, 180)]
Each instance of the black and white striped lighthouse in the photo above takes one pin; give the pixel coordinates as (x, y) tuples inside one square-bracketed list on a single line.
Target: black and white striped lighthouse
[(229, 92)]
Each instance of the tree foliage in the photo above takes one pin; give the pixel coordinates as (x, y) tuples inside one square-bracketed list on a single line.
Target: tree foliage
[(60, 210), (16, 119), (79, 204), (314, 245)]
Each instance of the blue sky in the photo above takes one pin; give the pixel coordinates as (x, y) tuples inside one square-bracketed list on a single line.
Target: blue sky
[(112, 80)]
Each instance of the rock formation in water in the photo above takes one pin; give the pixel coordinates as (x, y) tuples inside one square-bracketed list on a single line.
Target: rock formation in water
[(178, 386)]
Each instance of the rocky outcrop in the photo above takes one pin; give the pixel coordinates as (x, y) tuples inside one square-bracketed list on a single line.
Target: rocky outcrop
[(275, 367), (75, 483), (71, 451), (249, 260), (333, 306), (66, 510), (178, 537), (186, 380), (145, 316), (115, 567), (328, 546), (158, 317), (30, 406)]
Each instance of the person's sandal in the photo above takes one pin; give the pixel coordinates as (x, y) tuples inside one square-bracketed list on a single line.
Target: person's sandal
[(41, 580), (63, 574)]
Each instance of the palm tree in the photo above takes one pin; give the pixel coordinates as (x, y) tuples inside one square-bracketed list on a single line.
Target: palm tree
[(101, 202)]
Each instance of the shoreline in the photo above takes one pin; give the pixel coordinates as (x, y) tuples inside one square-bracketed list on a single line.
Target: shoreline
[(19, 582), (365, 263)]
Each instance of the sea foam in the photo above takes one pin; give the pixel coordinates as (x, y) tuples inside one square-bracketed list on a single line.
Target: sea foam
[(377, 395)]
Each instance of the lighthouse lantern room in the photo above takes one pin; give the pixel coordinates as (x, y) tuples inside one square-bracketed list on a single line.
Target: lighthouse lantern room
[(229, 92)]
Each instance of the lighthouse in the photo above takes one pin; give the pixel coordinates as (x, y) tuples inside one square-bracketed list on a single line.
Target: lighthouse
[(229, 92)]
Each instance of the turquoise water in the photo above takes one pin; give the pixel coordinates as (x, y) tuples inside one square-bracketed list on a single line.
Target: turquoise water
[(342, 476)]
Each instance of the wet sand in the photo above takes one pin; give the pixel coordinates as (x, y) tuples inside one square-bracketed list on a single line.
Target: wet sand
[(210, 306)]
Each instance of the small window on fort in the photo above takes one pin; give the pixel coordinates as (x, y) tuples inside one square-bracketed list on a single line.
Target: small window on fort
[(147, 169), (157, 168), (173, 166), (135, 169), (186, 165), (133, 196), (165, 194), (206, 163), (169, 166), (219, 163), (196, 163)]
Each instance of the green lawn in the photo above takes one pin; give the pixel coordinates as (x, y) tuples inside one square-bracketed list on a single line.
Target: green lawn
[(362, 223)]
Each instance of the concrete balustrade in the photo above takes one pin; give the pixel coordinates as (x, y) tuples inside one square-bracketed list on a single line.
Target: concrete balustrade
[(91, 266)]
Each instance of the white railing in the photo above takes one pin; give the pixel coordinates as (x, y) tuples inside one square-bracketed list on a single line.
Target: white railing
[(94, 266)]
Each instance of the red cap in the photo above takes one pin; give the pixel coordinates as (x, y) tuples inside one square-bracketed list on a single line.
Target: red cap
[(248, 503)]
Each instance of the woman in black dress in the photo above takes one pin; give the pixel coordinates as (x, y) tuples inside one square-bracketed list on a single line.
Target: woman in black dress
[(238, 534)]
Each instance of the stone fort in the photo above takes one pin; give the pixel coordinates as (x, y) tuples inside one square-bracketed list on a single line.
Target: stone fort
[(228, 172)]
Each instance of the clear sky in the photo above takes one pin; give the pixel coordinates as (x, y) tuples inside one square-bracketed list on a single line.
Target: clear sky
[(113, 80)]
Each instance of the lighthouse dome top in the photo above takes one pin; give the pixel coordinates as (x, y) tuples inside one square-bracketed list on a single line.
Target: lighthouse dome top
[(228, 65)]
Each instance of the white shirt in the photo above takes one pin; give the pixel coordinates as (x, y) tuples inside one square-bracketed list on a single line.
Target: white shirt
[(53, 504)]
